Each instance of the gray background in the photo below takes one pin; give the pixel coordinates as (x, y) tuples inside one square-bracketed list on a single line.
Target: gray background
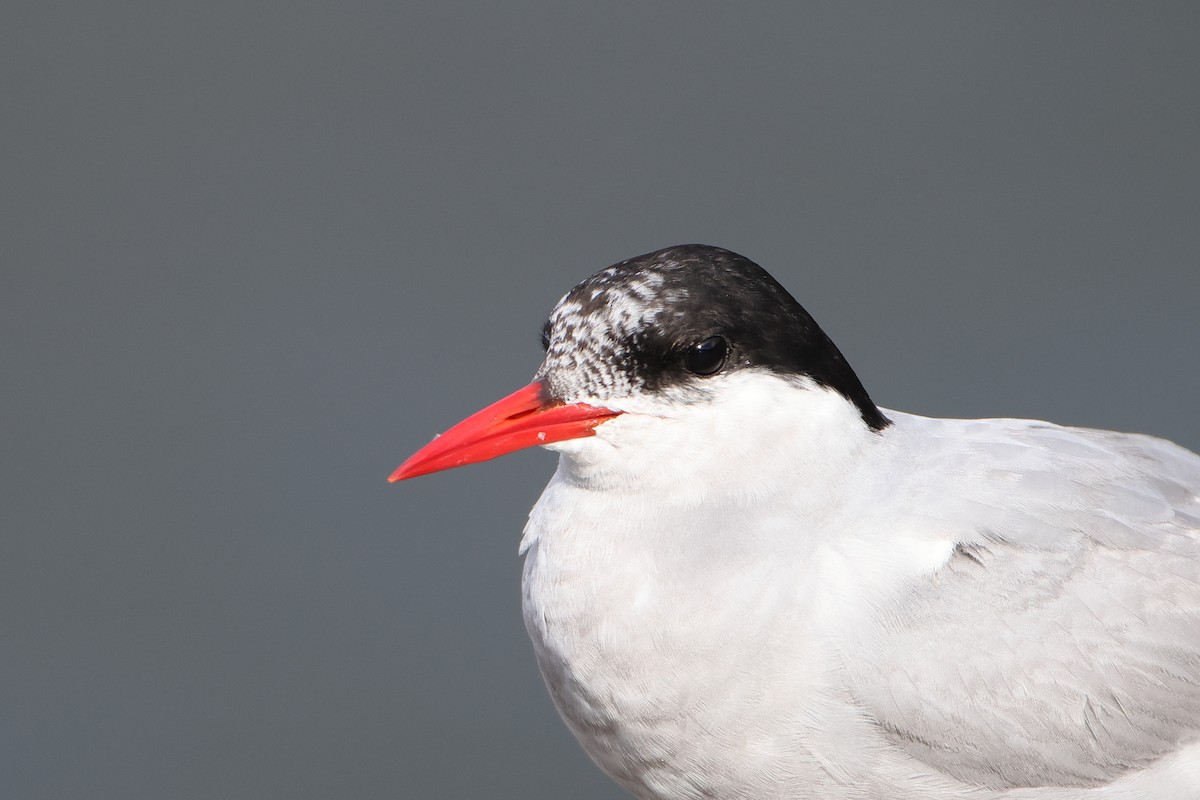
[(254, 255)]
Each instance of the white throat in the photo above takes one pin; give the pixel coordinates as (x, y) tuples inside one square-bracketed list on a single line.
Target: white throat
[(725, 444)]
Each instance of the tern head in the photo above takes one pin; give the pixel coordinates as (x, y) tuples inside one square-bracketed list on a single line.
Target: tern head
[(684, 354)]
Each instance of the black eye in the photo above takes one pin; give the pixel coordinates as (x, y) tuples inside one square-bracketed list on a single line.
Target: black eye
[(707, 356), (546, 336)]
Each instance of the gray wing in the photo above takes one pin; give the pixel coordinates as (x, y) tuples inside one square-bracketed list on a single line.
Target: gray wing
[(1060, 646)]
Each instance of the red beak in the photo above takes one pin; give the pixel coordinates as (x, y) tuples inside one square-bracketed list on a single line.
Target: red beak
[(525, 418)]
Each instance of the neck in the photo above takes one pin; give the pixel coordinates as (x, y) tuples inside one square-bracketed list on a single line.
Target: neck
[(755, 436)]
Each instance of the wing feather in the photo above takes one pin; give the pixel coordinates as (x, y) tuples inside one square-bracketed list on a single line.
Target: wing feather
[(1060, 645)]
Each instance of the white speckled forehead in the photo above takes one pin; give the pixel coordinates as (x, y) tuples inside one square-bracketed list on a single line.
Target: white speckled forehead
[(595, 329)]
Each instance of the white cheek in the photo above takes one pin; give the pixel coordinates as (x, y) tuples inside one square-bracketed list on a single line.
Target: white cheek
[(572, 447), (750, 434)]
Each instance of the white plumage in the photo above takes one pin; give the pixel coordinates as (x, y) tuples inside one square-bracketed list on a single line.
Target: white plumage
[(745, 581), (953, 609)]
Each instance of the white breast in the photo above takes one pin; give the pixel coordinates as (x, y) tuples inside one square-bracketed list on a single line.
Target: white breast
[(693, 647)]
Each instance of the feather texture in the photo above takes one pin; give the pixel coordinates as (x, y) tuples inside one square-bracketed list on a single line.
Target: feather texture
[(942, 609)]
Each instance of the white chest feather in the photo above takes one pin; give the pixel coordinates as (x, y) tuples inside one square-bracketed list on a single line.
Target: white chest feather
[(686, 663)]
